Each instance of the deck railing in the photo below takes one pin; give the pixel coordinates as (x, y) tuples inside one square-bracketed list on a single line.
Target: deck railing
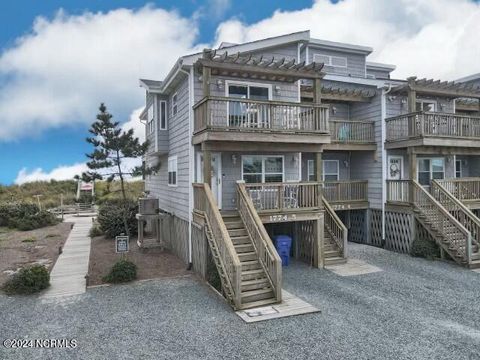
[(459, 211), (257, 115), (445, 224), (398, 191), (283, 196), (464, 189), (349, 131), (266, 252), (204, 202), (345, 191), (336, 228), (419, 124)]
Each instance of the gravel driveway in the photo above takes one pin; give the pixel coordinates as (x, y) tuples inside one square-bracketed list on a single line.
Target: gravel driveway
[(414, 309)]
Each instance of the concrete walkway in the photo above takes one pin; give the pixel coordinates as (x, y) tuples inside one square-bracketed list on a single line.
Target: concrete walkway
[(67, 277)]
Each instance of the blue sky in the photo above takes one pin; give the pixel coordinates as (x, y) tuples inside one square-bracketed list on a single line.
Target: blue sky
[(56, 67)]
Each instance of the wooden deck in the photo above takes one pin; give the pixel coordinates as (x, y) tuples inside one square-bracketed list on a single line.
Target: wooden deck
[(351, 135)]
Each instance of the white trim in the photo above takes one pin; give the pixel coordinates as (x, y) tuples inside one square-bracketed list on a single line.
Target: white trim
[(383, 158), (307, 60), (310, 166), (219, 179), (299, 166), (174, 160), (191, 159), (338, 169), (379, 66), (175, 103), (338, 46), (330, 60), (263, 165), (430, 158), (160, 102), (248, 84), (455, 166), (427, 101)]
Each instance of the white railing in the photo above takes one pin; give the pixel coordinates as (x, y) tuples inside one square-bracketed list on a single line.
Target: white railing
[(398, 191)]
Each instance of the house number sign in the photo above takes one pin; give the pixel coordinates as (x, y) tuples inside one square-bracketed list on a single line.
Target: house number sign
[(277, 218)]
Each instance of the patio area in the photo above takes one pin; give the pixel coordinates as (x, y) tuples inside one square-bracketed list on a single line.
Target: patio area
[(411, 309)]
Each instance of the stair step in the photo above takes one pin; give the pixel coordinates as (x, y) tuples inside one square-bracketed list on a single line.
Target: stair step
[(234, 225), (256, 295), (243, 248), (475, 264), (335, 260), (247, 256), (259, 303), (254, 274), (332, 254), (255, 284), (237, 232), (240, 240), (251, 265)]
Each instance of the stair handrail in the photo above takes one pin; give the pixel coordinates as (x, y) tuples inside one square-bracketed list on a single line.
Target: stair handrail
[(227, 255), (419, 190), (335, 227), (267, 254), (460, 211)]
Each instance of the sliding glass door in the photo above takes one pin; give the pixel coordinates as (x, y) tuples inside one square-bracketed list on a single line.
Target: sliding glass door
[(246, 114), (429, 169)]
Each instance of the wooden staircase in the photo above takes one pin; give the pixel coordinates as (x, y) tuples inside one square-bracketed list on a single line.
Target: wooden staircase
[(332, 253), (335, 237), (256, 287)]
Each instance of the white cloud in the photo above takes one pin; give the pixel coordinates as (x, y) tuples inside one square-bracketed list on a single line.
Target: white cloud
[(59, 73), (63, 172), (428, 38), (135, 124)]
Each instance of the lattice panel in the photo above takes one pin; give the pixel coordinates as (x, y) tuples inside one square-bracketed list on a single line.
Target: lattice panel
[(358, 230), (179, 238), (199, 251), (398, 231), (305, 235), (422, 233), (375, 228)]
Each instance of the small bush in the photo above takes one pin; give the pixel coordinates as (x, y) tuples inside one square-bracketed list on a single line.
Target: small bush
[(122, 271), (95, 231), (425, 248), (111, 214), (29, 240), (35, 221), (28, 280)]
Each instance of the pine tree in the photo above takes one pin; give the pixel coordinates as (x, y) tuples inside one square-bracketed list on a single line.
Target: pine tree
[(112, 146)]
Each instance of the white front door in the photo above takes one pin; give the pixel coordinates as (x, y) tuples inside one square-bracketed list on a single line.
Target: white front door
[(216, 175), (395, 167)]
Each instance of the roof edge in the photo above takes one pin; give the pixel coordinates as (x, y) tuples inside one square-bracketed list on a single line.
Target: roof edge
[(380, 66), (334, 45)]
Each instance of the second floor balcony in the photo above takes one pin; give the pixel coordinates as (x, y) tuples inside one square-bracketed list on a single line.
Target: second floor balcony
[(432, 129), (233, 119)]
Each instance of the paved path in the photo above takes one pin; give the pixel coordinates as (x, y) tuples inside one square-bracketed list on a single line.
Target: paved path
[(67, 277)]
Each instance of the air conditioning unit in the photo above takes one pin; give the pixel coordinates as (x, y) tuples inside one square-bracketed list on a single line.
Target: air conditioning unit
[(148, 206)]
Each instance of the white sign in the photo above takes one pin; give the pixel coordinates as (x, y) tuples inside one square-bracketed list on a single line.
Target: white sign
[(121, 244)]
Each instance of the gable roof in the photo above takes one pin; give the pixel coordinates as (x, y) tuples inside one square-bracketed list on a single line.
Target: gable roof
[(469, 78)]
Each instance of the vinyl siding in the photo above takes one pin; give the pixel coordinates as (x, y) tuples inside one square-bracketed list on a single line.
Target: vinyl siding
[(355, 62), (395, 107)]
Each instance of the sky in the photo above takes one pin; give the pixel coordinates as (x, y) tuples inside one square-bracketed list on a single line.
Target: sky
[(60, 59)]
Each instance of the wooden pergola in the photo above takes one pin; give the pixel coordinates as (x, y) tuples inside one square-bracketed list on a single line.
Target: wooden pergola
[(337, 93), (430, 87)]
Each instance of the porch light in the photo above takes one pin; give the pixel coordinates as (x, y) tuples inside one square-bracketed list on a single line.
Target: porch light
[(277, 89), (334, 110), (404, 101), (346, 163), (442, 106), (220, 83), (391, 98), (234, 159)]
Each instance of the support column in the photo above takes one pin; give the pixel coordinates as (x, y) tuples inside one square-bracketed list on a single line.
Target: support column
[(206, 81), (412, 95), (412, 163), (207, 167), (318, 166), (319, 253), (317, 91)]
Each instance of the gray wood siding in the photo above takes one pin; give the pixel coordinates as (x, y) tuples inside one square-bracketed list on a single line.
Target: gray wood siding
[(174, 199), (395, 107), (343, 158), (367, 165), (378, 74), (355, 62)]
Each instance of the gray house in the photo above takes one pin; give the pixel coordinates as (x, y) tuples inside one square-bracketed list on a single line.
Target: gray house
[(304, 137)]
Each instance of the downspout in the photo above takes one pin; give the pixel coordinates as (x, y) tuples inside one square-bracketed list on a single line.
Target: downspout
[(190, 160), (384, 157)]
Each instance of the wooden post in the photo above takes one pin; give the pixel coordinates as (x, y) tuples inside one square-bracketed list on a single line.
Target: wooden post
[(207, 167), (206, 81), (319, 259), (412, 95), (412, 159), (318, 166)]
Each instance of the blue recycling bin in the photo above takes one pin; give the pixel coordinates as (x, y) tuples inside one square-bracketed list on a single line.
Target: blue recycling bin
[(283, 244)]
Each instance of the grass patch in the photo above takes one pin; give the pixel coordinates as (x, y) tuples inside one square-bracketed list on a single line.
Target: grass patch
[(4, 230), (29, 240), (52, 235)]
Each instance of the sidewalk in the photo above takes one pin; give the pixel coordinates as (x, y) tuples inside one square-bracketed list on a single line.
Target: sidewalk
[(67, 277)]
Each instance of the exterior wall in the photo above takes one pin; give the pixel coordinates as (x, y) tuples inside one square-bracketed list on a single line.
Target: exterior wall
[(343, 158), (355, 62), (174, 199), (367, 165), (395, 107), (378, 74)]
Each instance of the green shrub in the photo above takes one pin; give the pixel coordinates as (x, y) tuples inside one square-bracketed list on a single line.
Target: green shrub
[(122, 271), (424, 247), (28, 280), (111, 217), (95, 231), (31, 222), (11, 211)]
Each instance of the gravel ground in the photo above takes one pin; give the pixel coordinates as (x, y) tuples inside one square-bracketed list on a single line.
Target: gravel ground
[(414, 309)]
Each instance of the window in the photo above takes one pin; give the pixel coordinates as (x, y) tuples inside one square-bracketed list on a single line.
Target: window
[(334, 61), (162, 115), (311, 170), (174, 104), (430, 169), (458, 168), (262, 169), (172, 171), (330, 170), (150, 122), (426, 105)]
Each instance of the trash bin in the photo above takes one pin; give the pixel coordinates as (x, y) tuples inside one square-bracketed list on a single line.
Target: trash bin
[(283, 244)]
